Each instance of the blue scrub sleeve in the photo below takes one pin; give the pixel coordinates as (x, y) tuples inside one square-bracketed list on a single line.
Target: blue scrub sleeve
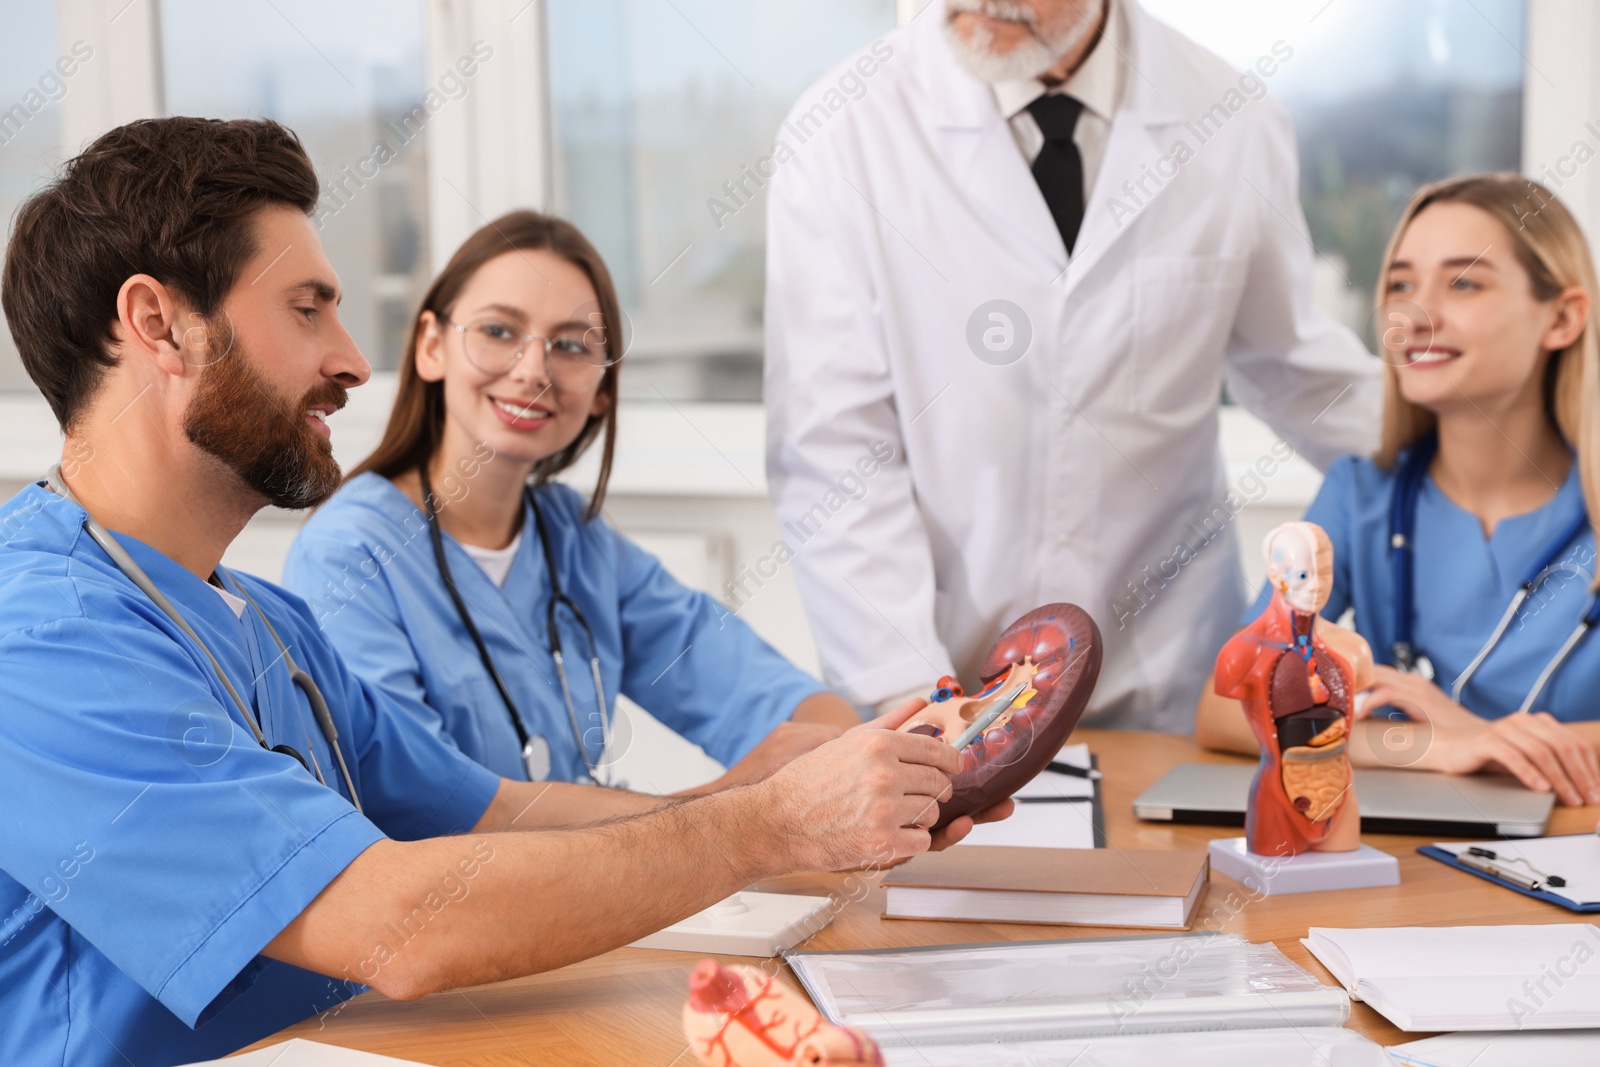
[(362, 620), (695, 665), (414, 783), (1331, 510), (203, 845)]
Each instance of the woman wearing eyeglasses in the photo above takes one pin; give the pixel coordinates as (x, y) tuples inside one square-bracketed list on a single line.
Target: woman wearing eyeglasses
[(451, 570)]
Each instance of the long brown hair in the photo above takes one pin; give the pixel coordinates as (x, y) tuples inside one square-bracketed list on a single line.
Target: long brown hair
[(1550, 246), (416, 425)]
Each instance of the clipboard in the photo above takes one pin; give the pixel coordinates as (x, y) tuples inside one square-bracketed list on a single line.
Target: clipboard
[(1053, 810), (1546, 895)]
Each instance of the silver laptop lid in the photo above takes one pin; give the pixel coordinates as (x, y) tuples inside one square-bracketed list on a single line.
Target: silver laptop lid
[(1392, 800)]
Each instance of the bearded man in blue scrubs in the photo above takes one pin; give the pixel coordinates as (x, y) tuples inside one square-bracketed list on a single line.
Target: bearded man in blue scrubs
[(189, 864)]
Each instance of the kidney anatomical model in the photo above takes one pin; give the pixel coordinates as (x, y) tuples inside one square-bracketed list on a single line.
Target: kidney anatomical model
[(1036, 681), (740, 1017)]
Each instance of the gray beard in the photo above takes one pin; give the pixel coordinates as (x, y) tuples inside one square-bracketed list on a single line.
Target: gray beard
[(1029, 59)]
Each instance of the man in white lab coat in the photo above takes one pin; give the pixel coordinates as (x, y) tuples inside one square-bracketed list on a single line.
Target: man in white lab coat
[(1030, 290)]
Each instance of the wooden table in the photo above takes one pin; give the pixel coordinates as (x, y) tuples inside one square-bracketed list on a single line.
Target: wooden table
[(624, 1007)]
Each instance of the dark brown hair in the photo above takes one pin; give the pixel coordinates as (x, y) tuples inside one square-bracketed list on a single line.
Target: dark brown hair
[(171, 198), (416, 425)]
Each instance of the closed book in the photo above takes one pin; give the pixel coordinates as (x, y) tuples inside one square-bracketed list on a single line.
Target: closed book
[(1073, 886)]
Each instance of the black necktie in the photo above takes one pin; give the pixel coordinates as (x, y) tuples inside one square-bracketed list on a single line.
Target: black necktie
[(1059, 166)]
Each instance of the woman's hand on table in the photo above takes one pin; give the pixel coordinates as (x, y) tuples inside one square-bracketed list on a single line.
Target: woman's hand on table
[(1543, 753)]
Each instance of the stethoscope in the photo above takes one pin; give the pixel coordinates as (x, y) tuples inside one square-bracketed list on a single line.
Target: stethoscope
[(319, 707), (535, 750), (1402, 526)]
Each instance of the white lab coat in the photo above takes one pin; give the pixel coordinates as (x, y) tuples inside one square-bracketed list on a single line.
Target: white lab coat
[(1089, 470)]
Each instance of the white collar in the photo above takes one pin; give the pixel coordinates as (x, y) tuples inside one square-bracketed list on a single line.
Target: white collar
[(1097, 83), (236, 603)]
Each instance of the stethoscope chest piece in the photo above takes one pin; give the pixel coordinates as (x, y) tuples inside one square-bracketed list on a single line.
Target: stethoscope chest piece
[(535, 749), (1408, 660), (536, 758)]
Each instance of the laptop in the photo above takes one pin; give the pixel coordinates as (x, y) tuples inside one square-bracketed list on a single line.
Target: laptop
[(1393, 801)]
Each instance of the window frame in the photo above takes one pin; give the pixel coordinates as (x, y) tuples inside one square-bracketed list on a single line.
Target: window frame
[(473, 178)]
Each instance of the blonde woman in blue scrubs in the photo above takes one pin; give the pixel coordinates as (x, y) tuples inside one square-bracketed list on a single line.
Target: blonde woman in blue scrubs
[(1492, 355), (450, 568)]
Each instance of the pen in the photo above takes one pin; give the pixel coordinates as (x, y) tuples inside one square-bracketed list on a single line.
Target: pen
[(1054, 800), (1000, 703), (1076, 772), (1478, 863), (1489, 854)]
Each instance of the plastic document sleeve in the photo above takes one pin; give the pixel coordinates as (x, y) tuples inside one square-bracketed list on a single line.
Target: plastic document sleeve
[(1043, 990)]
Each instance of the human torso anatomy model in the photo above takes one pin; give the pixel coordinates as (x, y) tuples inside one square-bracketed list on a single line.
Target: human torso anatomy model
[(1297, 675)]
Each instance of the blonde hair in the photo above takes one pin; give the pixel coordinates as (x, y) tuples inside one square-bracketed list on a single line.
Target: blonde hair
[(1551, 248)]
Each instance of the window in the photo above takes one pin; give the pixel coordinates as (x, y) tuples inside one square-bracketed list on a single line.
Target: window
[(656, 105), (31, 85), (1385, 97), (345, 77)]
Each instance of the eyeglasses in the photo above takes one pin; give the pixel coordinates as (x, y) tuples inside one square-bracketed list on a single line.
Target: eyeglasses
[(573, 358)]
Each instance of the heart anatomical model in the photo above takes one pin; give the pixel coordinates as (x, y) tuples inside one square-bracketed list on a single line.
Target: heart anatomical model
[(740, 1017), (1036, 681)]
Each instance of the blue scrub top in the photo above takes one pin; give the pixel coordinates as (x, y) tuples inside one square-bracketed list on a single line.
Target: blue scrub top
[(364, 563), (1463, 583), (151, 848)]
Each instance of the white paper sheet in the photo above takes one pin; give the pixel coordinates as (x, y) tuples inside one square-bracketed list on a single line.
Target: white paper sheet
[(1058, 824), (1570, 1048), (1282, 1047), (301, 1053)]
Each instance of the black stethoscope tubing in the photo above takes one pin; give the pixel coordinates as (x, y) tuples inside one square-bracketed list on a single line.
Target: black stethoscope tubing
[(1408, 484), (558, 598)]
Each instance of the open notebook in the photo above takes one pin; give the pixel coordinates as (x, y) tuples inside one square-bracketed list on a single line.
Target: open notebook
[(1424, 978)]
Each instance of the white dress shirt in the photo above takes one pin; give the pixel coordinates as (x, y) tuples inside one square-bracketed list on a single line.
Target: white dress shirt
[(1096, 84)]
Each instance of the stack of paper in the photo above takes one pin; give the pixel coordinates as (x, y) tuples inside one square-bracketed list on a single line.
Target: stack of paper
[(1470, 977), (1047, 990)]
